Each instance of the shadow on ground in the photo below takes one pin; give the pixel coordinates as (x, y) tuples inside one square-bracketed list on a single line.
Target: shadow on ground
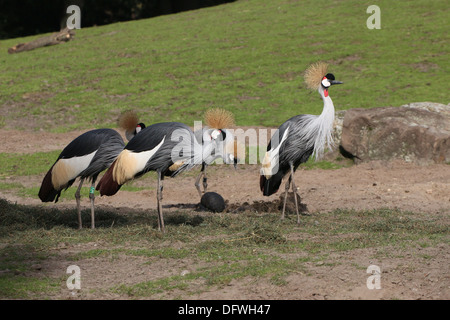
[(24, 217)]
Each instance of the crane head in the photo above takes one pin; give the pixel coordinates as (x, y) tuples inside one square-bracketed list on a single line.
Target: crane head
[(328, 80), (218, 133), (130, 134), (139, 127), (210, 134), (317, 76), (129, 121), (224, 142)]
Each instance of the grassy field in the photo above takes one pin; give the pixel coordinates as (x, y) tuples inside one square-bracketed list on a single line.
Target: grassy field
[(219, 248), (247, 56)]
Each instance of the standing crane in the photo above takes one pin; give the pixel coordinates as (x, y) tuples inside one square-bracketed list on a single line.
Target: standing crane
[(84, 157), (167, 148), (216, 121), (301, 136)]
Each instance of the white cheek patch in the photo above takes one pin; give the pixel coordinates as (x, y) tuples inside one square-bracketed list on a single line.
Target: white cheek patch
[(215, 134), (326, 83)]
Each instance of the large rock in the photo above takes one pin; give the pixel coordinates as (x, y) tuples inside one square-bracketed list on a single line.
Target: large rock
[(416, 132)]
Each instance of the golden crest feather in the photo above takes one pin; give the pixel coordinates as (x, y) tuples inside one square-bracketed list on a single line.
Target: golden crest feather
[(218, 118), (128, 120), (314, 74)]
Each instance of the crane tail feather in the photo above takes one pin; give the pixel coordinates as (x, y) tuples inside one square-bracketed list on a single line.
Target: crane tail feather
[(107, 186), (270, 185), (47, 193)]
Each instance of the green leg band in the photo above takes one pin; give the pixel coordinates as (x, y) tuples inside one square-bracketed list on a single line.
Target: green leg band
[(91, 190)]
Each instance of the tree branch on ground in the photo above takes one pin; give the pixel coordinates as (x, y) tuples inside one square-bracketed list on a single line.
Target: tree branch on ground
[(56, 38)]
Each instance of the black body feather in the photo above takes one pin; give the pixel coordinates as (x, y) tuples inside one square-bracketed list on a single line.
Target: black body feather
[(293, 150)]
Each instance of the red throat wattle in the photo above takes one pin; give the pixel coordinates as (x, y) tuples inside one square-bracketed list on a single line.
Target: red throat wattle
[(325, 92)]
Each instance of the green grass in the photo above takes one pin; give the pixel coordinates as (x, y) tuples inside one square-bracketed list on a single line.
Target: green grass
[(15, 262), (69, 194), (246, 56), (37, 164), (21, 287), (19, 164), (219, 248)]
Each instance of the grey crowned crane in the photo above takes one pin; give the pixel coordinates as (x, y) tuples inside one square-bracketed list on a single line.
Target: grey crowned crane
[(299, 137), (167, 148), (85, 157), (217, 120)]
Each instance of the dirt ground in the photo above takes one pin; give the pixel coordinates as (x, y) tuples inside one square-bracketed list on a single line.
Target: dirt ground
[(376, 184)]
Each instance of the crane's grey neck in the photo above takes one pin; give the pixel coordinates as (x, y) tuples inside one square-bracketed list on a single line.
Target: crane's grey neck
[(318, 129), (129, 135), (327, 102), (325, 120), (202, 151), (206, 150)]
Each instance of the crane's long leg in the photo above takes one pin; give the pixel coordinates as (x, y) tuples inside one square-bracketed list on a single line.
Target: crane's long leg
[(92, 197), (77, 198), (294, 192), (205, 179), (159, 198), (197, 181), (288, 183)]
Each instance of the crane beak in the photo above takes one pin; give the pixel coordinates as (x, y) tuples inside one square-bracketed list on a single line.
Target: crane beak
[(336, 82)]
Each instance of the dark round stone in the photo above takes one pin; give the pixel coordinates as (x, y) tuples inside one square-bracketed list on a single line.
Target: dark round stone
[(213, 202)]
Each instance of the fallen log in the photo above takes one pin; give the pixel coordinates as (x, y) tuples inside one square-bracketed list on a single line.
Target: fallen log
[(55, 38)]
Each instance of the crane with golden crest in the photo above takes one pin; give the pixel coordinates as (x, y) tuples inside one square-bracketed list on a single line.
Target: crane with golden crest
[(218, 122), (299, 138), (168, 148)]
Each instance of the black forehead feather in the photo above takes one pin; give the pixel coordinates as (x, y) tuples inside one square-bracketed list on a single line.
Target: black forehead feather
[(330, 76), (224, 135)]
